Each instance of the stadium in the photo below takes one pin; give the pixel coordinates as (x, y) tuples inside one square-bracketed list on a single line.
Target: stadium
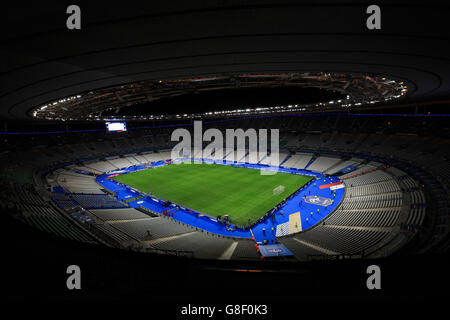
[(339, 147)]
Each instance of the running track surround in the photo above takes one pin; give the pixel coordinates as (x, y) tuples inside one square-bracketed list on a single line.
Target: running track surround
[(127, 44)]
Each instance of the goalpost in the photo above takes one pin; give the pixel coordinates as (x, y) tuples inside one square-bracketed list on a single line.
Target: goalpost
[(278, 190)]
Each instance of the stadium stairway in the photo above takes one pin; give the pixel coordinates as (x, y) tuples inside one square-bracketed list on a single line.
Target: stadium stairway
[(368, 188), (310, 162)]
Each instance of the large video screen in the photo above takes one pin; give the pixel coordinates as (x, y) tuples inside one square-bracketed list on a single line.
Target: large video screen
[(116, 126)]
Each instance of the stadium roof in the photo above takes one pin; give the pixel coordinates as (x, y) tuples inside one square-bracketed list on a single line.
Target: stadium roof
[(124, 44)]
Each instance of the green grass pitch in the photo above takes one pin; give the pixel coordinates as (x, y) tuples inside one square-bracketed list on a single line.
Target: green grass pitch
[(213, 189)]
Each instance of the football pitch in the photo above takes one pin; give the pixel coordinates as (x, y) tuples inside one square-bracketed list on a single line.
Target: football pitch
[(244, 194)]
